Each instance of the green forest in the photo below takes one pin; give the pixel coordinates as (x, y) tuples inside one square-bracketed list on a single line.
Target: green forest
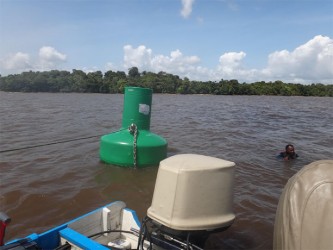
[(162, 82)]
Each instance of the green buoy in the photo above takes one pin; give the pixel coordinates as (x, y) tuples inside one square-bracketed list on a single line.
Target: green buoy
[(134, 145)]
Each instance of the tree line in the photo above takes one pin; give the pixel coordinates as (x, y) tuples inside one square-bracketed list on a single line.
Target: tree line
[(162, 82)]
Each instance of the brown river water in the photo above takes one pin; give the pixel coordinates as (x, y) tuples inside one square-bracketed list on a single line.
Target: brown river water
[(46, 186)]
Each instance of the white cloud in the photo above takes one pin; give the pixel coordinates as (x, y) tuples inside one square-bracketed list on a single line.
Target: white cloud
[(18, 61), (144, 59), (137, 57), (90, 69), (50, 54), (231, 61), (186, 8), (312, 60), (308, 63), (49, 58)]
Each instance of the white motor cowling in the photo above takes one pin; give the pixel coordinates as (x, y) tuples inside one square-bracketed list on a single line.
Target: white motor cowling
[(193, 193)]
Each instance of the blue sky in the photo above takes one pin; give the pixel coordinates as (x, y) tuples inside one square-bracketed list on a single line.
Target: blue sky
[(248, 40)]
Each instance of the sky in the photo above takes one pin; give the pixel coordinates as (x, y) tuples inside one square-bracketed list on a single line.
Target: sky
[(205, 40)]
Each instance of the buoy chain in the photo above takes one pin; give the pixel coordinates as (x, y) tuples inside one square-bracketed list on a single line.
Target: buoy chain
[(134, 130), (134, 147)]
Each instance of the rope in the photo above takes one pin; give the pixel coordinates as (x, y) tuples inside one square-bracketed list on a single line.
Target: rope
[(50, 143), (53, 143)]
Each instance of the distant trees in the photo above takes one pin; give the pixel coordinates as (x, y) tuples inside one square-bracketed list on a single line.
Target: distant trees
[(133, 72), (161, 82)]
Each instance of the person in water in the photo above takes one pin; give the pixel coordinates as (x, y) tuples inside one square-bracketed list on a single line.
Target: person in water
[(289, 153)]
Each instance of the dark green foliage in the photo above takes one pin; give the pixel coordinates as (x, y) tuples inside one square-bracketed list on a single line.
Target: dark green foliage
[(162, 82)]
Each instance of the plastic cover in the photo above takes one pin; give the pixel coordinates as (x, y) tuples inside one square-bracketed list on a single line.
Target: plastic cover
[(304, 218), (193, 192)]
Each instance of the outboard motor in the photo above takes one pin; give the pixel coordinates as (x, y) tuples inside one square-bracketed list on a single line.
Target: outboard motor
[(193, 197)]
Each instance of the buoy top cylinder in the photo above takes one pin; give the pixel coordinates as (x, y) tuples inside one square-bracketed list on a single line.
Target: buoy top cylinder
[(137, 107)]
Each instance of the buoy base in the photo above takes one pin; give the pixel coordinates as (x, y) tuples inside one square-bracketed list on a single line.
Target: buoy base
[(118, 149)]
